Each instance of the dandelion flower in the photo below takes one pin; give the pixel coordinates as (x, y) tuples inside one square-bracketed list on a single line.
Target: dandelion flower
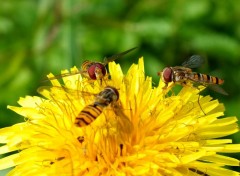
[(164, 134)]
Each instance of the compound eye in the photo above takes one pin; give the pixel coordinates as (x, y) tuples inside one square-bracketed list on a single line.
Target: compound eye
[(167, 74), (92, 68)]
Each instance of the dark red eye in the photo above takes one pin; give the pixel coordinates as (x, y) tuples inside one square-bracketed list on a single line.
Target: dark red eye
[(167, 74), (91, 70)]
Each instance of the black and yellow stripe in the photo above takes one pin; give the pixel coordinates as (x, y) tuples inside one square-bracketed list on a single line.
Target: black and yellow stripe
[(88, 115), (92, 111), (207, 78), (217, 80)]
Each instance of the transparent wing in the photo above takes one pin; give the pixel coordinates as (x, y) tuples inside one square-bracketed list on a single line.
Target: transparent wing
[(116, 56), (125, 126), (214, 87), (64, 93), (217, 89), (63, 75), (193, 62)]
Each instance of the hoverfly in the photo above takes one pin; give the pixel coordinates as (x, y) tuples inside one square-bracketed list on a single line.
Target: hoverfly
[(184, 73), (91, 112), (94, 70), (108, 96)]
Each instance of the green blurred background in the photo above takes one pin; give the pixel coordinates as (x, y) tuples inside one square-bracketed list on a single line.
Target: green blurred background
[(42, 36)]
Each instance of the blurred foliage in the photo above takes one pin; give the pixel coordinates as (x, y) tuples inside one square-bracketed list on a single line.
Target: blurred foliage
[(42, 36)]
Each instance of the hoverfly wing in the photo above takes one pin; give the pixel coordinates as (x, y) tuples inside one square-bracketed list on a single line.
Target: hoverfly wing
[(64, 92), (217, 89), (193, 62), (116, 56), (62, 75), (125, 125), (77, 94), (49, 91)]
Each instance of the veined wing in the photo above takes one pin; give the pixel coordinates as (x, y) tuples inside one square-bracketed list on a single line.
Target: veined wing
[(214, 87), (217, 89), (193, 62), (116, 56), (181, 69), (64, 93), (64, 75), (125, 125)]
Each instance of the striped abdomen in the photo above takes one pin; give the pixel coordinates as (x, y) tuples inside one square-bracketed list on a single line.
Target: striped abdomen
[(88, 115), (204, 78), (102, 100)]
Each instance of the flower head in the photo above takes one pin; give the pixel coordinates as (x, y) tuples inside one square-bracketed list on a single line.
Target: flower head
[(147, 131)]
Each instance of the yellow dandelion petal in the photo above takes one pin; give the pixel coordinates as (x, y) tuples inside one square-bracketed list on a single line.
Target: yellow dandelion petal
[(8, 162), (147, 131)]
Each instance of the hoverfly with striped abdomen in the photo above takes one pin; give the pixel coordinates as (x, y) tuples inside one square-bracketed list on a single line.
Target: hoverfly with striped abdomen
[(108, 97), (94, 70), (184, 73)]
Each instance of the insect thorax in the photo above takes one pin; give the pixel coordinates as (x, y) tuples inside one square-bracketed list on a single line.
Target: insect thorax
[(107, 96), (180, 76)]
